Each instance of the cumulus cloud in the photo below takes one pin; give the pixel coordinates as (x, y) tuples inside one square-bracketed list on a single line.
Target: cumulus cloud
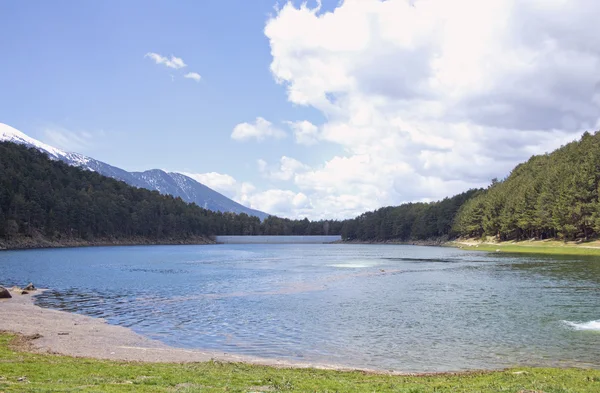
[(226, 185), (428, 98), (172, 62), (305, 132), (287, 169), (283, 203), (260, 130), (193, 75)]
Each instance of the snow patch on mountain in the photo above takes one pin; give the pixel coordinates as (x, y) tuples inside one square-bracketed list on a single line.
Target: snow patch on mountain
[(10, 134)]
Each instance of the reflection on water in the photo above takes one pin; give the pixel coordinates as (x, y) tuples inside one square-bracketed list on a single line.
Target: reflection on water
[(377, 306)]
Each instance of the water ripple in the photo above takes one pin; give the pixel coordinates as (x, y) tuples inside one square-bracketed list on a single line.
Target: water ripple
[(386, 307)]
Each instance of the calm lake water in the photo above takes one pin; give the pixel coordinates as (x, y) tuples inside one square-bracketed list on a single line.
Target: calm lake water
[(387, 307)]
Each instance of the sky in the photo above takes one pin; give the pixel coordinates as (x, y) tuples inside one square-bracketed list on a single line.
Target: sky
[(305, 109)]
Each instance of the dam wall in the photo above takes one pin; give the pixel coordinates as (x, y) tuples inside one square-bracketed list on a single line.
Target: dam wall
[(277, 239)]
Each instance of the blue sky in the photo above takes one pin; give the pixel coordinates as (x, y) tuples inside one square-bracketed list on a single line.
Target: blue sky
[(80, 67), (400, 100)]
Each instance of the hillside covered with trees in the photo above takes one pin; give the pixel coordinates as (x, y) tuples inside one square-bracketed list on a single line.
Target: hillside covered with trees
[(550, 196), (554, 195), (407, 222), (52, 201), (45, 199)]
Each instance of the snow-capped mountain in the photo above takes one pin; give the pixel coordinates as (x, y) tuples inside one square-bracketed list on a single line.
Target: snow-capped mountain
[(170, 183)]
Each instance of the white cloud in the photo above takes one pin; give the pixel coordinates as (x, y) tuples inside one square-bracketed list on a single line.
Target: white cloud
[(287, 169), (173, 62), (225, 184), (193, 75), (260, 130), (430, 97), (305, 132), (282, 203)]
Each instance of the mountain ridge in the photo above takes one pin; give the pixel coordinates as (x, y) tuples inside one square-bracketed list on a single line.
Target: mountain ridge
[(167, 183)]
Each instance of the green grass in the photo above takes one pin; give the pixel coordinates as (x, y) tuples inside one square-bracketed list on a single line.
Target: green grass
[(28, 372), (536, 247)]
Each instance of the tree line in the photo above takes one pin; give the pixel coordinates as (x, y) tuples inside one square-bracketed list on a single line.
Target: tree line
[(550, 196), (42, 197), (410, 221)]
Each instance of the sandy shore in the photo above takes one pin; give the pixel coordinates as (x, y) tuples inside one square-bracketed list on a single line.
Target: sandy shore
[(64, 333)]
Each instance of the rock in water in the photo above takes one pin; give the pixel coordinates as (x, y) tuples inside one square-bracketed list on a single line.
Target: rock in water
[(29, 287), (4, 294)]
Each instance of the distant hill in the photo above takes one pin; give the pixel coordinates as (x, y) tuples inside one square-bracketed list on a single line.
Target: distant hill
[(168, 183), (550, 196), (408, 222), (553, 195), (47, 203)]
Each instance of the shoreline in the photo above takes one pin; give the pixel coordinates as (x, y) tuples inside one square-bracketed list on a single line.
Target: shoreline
[(547, 247), (438, 242), (45, 331), (41, 244), (48, 331)]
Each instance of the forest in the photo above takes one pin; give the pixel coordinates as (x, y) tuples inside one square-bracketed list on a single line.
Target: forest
[(550, 196), (40, 197), (410, 221)]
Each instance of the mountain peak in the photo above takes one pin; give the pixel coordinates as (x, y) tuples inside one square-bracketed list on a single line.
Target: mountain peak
[(7, 132), (10, 134)]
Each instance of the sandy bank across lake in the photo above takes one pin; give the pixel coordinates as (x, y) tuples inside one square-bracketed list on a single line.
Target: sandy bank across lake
[(64, 333)]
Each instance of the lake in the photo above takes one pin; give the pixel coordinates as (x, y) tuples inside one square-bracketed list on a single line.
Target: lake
[(387, 307)]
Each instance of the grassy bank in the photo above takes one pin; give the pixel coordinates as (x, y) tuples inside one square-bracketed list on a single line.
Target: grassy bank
[(22, 371), (553, 247)]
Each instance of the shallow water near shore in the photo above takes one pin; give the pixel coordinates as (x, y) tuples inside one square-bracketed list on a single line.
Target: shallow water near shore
[(386, 307)]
